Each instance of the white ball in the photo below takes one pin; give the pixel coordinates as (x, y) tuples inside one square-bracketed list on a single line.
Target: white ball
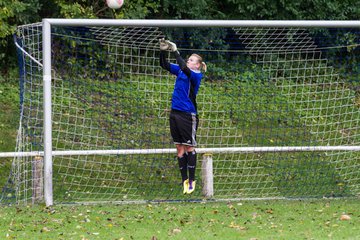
[(114, 4)]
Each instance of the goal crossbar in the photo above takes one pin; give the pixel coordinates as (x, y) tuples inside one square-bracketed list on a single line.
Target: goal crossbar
[(200, 23)]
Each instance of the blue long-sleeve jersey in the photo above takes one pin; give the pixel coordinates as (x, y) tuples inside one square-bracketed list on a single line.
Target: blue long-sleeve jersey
[(185, 89)]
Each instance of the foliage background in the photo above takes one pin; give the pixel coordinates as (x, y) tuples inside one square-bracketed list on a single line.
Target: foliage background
[(16, 12)]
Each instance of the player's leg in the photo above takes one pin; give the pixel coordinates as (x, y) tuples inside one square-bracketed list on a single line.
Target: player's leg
[(189, 132), (191, 153), (182, 160), (183, 163), (181, 151)]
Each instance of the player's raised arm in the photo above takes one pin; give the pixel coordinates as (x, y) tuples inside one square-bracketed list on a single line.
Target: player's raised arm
[(179, 59), (163, 47)]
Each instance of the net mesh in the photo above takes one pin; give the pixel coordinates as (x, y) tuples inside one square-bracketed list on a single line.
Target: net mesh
[(264, 87)]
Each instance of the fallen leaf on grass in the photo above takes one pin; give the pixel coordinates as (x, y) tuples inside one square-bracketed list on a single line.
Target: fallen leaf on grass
[(230, 206), (233, 225), (345, 217), (270, 211), (176, 231), (45, 229)]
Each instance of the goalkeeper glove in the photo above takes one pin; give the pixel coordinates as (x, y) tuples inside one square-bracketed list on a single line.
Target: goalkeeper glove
[(172, 46), (163, 44)]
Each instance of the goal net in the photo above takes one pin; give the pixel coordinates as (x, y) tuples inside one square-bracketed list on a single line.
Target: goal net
[(265, 87)]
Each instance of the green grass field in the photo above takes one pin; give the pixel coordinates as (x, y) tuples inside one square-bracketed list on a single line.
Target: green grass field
[(292, 219)]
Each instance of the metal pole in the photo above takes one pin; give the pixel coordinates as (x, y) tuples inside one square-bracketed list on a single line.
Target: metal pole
[(202, 23), (48, 186), (265, 149), (207, 174)]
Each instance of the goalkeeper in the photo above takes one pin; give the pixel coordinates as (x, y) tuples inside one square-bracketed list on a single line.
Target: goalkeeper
[(183, 116)]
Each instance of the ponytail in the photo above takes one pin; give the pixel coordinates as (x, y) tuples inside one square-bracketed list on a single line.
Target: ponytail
[(202, 64)]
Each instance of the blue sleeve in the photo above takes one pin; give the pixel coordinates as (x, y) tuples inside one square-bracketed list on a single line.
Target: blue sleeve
[(174, 69)]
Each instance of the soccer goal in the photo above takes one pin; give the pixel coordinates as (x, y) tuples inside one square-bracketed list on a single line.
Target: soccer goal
[(279, 111)]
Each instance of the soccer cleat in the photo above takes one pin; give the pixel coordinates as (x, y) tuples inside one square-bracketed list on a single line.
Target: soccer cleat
[(191, 186), (186, 186)]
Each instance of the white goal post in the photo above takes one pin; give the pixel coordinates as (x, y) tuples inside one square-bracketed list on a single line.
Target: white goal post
[(257, 48)]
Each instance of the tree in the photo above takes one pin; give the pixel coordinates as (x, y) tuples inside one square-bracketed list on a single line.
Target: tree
[(13, 13), (292, 10), (16, 12)]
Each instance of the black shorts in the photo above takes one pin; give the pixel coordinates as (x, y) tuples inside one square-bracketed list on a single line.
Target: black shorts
[(183, 127)]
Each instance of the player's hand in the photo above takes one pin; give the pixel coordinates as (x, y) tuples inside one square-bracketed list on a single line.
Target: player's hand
[(172, 46), (163, 44)]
